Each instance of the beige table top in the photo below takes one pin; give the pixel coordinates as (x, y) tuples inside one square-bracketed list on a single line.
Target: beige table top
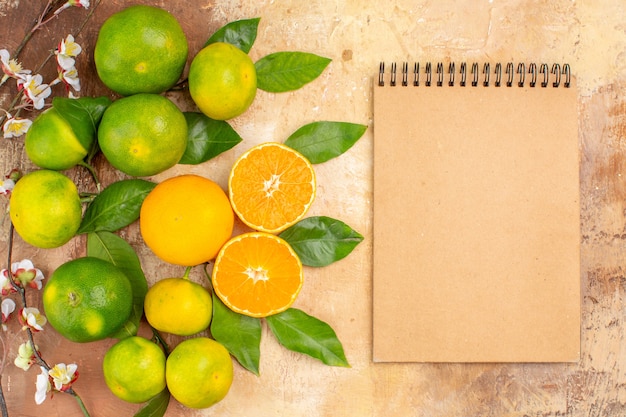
[(357, 34)]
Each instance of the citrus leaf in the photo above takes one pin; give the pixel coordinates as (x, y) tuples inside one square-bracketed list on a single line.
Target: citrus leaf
[(240, 334), (117, 206), (300, 332), (287, 71), (83, 114), (320, 241), (241, 33), (114, 249), (155, 406), (207, 138), (321, 141)]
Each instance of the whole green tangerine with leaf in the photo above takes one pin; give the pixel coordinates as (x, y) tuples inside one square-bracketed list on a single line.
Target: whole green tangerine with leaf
[(65, 134), (112, 248), (222, 81), (51, 143)]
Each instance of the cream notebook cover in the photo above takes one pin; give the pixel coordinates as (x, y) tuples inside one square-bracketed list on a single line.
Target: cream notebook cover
[(476, 216)]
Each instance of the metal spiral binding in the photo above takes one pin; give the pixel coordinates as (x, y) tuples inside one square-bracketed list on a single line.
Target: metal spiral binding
[(534, 76)]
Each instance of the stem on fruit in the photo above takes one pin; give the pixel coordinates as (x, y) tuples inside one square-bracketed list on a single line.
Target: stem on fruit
[(187, 271), (86, 198)]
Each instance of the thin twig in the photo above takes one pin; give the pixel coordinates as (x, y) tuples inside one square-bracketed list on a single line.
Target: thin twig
[(36, 25), (3, 402), (10, 259)]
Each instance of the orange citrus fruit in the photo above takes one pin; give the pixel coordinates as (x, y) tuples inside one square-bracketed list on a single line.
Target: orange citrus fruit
[(222, 81), (51, 142), (87, 299), (271, 187), (45, 208), (257, 274), (199, 372), (178, 306), (186, 219), (143, 134), (134, 369), (141, 49)]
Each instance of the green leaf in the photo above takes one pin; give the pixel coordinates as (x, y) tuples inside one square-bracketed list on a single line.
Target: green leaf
[(321, 141), (207, 138), (241, 33), (117, 206), (114, 249), (320, 241), (306, 334), (240, 334), (83, 114), (287, 71), (155, 406)]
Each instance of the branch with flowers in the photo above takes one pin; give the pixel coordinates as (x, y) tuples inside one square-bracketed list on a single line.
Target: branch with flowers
[(61, 376), (31, 93)]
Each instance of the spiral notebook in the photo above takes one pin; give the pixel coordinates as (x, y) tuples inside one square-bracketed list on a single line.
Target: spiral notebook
[(476, 214)]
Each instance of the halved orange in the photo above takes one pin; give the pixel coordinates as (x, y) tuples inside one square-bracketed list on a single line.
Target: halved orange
[(257, 274), (271, 187)]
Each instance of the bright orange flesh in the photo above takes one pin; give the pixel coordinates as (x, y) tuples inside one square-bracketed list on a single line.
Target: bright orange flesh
[(271, 187), (257, 274)]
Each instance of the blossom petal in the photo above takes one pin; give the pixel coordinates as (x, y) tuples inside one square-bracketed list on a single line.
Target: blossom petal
[(43, 386), (7, 307)]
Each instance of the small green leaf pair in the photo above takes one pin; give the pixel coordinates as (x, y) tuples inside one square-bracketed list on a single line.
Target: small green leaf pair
[(293, 328)]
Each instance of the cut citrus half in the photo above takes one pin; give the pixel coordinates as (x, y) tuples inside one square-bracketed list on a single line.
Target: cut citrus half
[(271, 187), (257, 274)]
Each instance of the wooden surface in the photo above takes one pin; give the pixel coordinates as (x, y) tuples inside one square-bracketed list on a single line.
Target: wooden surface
[(357, 34)]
